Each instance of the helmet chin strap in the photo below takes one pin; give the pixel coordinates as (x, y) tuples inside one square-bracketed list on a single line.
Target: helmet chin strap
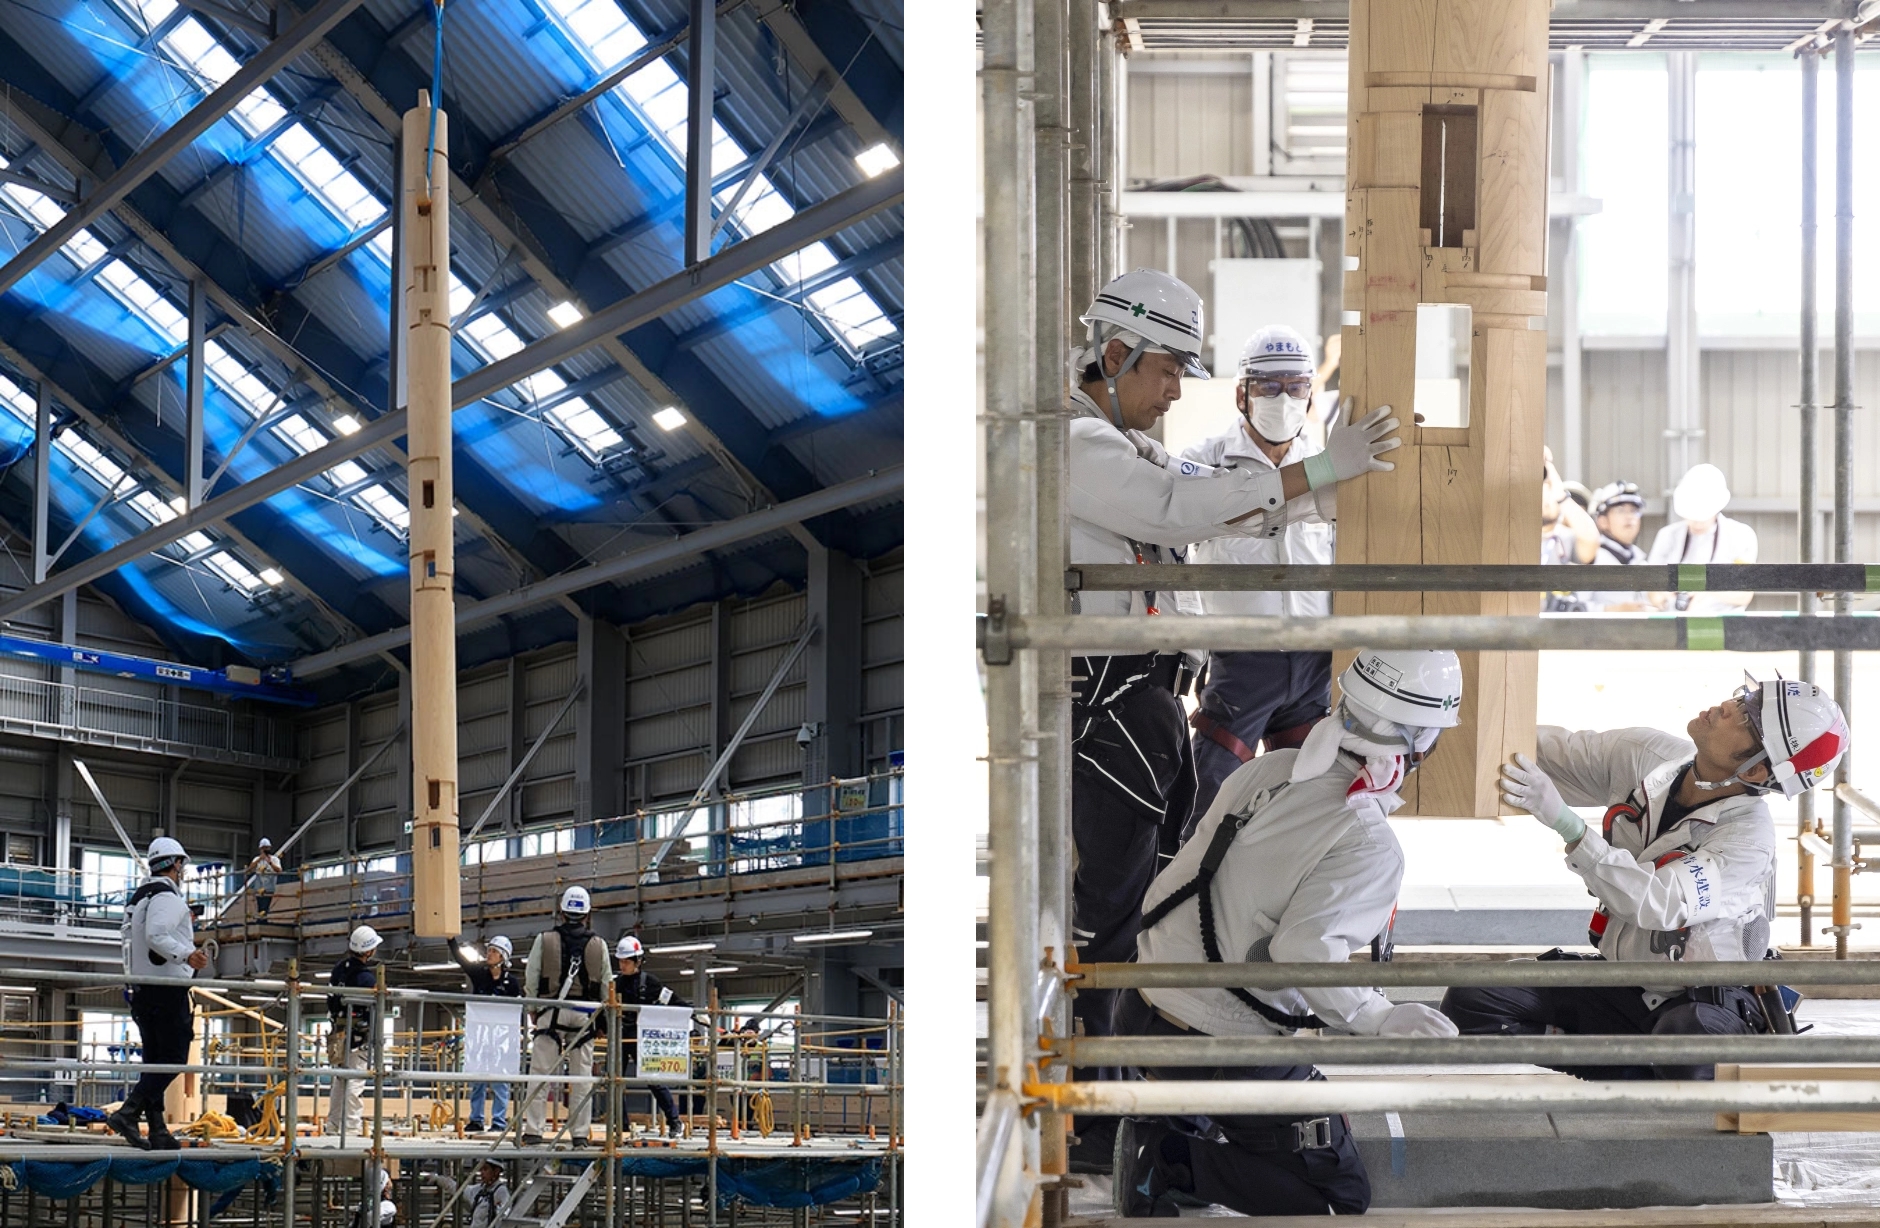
[(1735, 778), (1109, 381)]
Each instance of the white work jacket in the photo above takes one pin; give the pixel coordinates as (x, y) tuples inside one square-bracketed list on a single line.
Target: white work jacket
[(1120, 500), (1308, 879), (1307, 537), (1706, 889), (1615, 554), (159, 925), (1731, 541)]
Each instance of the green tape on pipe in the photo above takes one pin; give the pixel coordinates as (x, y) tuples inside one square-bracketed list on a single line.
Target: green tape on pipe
[(1691, 577), (1873, 578), (1703, 634)]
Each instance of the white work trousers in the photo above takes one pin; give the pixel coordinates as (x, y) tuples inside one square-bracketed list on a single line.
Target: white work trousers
[(347, 1094), (545, 1056)]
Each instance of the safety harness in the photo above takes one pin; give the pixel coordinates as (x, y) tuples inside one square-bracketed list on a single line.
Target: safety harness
[(1201, 889), (156, 886)]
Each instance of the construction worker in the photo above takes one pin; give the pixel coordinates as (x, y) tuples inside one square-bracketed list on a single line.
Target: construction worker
[(635, 986), (1130, 502), (354, 1021), (489, 977), (1252, 697), (489, 1197), (1683, 862), (264, 875), (159, 940), (1294, 862), (1703, 534), (568, 962), (1618, 512)]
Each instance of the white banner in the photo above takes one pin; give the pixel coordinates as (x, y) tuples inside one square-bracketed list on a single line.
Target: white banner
[(492, 1038), (665, 1043)]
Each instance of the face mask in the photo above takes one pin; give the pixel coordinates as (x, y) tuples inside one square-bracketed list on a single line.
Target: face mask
[(1276, 419)]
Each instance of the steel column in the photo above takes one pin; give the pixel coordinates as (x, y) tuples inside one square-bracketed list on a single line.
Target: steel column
[(1807, 517), (308, 30), (193, 377), (701, 79), (42, 479), (1682, 381), (1843, 455)]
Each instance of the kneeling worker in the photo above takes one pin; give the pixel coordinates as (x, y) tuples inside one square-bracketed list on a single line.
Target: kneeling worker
[(159, 940), (1683, 864), (1308, 870)]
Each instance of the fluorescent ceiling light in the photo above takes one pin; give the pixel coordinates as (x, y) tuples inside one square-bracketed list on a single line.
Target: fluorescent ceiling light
[(18, 989), (876, 159), (682, 948), (669, 419), (564, 314), (346, 424), (838, 936), (255, 997), (722, 968), (432, 967), (269, 984)]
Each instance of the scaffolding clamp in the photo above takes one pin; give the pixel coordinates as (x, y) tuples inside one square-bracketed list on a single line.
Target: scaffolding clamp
[(995, 637)]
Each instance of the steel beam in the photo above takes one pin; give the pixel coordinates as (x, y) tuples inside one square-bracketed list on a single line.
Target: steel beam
[(780, 17), (42, 479), (306, 31), (1200, 1050), (701, 79), (761, 163), (193, 380), (1626, 12), (1478, 974), (883, 484), (1470, 577)]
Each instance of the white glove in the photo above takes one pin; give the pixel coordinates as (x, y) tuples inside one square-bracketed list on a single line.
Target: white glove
[(1416, 1019), (1525, 787), (1352, 450)]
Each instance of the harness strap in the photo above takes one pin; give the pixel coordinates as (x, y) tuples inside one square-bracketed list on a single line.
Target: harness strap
[(1218, 733), (1200, 889)]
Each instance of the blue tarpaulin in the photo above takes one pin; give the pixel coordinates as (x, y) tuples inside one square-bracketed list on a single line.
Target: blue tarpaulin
[(769, 1183), (68, 1179)]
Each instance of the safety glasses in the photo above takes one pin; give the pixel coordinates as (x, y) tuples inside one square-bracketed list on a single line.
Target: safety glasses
[(1300, 387)]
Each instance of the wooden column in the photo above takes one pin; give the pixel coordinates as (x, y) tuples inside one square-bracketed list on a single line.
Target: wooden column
[(424, 212), (1447, 203)]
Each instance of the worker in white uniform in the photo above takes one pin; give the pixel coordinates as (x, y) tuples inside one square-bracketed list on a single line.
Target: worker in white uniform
[(1132, 782), (1703, 534), (1294, 862), (1255, 697), (159, 940), (1683, 863), (1133, 778), (1618, 513)]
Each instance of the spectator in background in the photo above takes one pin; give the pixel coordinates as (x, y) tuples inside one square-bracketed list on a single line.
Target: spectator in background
[(1703, 534), (1618, 511), (264, 875), (490, 976), (1567, 533)]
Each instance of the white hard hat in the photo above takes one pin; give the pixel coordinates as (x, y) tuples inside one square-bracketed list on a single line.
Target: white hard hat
[(266, 843), (1275, 350), (1616, 494), (1802, 731), (574, 902), (1406, 686), (500, 943), (629, 948), (1702, 493), (163, 850), (1161, 311), (364, 940)]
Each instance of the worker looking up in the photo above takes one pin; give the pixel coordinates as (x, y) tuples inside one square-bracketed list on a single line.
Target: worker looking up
[(159, 940), (349, 1044), (1618, 513), (568, 962), (1683, 863), (1703, 534), (489, 1197), (1255, 696), (634, 985), (492, 977), (1294, 862), (264, 875)]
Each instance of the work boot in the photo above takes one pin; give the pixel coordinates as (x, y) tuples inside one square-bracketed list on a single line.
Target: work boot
[(474, 1127), (675, 1128), (124, 1124), (529, 1140), (160, 1137), (1139, 1187)]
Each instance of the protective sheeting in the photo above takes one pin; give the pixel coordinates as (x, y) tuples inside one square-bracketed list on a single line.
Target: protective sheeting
[(69, 1179), (770, 1183), (1830, 1170)]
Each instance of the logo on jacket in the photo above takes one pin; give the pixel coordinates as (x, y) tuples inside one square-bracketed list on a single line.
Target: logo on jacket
[(1189, 468)]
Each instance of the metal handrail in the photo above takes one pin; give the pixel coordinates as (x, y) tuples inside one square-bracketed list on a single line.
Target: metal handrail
[(1474, 577), (70, 708), (1305, 1050), (1477, 973)]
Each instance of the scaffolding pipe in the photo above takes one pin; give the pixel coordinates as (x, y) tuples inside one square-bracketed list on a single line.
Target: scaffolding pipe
[(1469, 577), (1199, 1050), (1843, 863), (1463, 1094), (1096, 633), (1533, 974), (1807, 517)]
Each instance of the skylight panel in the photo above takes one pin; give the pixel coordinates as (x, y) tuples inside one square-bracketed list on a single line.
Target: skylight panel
[(584, 424), (385, 505), (347, 473), (151, 508), (90, 458), (492, 336), (300, 434), (235, 572), (154, 12), (461, 295), (852, 311), (23, 406), (195, 543)]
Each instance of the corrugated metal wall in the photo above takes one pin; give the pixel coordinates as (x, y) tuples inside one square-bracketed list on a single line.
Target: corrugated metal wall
[(883, 605)]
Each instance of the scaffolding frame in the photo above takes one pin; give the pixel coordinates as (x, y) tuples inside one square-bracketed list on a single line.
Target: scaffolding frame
[(1051, 74), (749, 1099)]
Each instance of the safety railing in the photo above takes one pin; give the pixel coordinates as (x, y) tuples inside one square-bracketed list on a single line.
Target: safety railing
[(95, 714), (758, 1087)]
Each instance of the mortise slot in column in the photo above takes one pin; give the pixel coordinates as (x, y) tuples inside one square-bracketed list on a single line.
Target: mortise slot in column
[(1449, 174), (435, 791), (430, 493)]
